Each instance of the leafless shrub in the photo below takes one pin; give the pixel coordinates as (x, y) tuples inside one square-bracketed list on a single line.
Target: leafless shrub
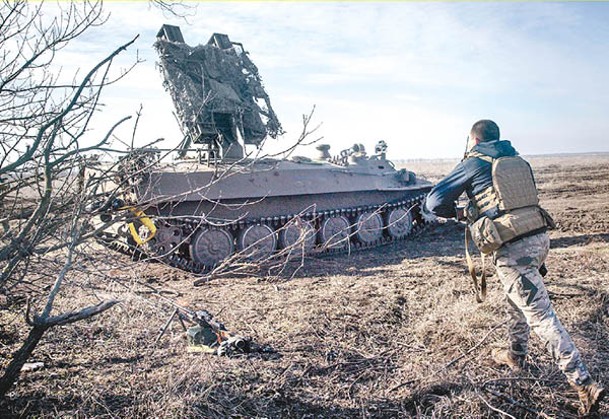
[(44, 124)]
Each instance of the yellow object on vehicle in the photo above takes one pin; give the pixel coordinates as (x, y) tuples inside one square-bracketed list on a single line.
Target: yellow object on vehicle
[(146, 221)]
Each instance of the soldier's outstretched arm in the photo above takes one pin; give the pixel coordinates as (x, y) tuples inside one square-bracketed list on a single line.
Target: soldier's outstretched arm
[(441, 199)]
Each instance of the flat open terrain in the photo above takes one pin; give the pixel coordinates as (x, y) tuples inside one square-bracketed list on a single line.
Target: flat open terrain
[(389, 332)]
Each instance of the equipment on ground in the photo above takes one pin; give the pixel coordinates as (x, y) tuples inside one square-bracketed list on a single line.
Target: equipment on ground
[(210, 336)]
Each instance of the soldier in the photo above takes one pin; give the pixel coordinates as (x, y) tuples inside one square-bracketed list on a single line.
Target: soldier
[(506, 222)]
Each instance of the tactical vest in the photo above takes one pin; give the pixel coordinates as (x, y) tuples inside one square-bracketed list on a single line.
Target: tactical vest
[(512, 199)]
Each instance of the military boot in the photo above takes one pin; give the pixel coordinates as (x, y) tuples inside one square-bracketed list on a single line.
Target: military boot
[(507, 357), (590, 395)]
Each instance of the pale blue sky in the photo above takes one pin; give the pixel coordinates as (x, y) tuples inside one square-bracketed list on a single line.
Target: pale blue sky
[(416, 75)]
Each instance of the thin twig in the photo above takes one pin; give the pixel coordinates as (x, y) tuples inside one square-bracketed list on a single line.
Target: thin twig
[(486, 402), (454, 361), (515, 402), (473, 348), (165, 326)]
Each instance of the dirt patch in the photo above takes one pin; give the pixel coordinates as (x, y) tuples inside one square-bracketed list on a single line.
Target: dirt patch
[(393, 332)]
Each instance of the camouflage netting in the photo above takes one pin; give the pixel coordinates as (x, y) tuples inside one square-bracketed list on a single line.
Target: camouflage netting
[(206, 81)]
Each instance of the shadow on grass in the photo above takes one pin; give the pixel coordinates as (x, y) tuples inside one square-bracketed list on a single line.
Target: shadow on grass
[(594, 330), (286, 404), (227, 400), (40, 405), (435, 241), (578, 240)]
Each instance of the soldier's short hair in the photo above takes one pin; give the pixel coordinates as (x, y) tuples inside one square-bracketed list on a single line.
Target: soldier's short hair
[(486, 130)]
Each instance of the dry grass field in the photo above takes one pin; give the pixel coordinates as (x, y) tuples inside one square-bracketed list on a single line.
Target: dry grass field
[(390, 332)]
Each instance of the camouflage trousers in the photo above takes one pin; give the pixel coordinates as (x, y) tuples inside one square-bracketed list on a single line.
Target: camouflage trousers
[(517, 266)]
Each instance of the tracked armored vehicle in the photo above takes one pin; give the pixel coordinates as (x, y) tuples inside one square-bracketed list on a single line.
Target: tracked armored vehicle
[(215, 201)]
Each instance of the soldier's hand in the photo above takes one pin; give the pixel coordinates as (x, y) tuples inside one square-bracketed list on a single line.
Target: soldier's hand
[(460, 214)]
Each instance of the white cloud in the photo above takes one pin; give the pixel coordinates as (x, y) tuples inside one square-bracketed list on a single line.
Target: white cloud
[(416, 74)]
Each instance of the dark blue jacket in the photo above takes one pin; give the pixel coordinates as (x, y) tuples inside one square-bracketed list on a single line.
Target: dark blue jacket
[(471, 175)]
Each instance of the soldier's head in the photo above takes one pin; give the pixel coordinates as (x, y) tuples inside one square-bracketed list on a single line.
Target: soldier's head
[(485, 130), (482, 131)]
